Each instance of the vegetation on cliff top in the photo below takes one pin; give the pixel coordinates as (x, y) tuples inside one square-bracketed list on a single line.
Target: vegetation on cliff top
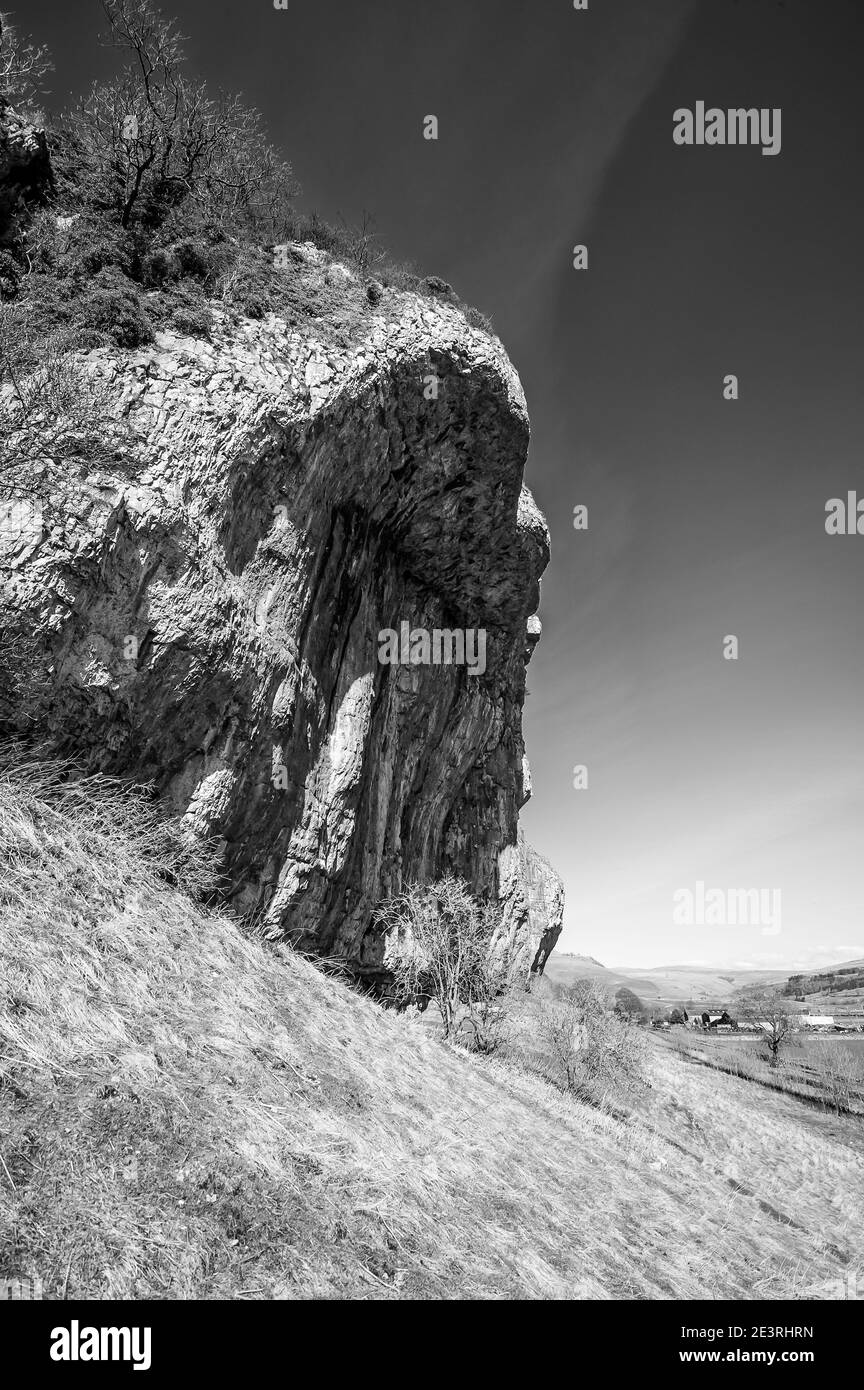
[(168, 198), (160, 203)]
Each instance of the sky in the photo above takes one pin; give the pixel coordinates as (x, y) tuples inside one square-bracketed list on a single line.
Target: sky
[(706, 516)]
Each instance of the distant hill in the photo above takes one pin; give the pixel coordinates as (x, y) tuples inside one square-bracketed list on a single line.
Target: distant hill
[(669, 984), (839, 979), (837, 990), (839, 986)]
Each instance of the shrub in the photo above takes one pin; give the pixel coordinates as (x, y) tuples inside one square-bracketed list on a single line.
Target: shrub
[(629, 1005), (477, 319), (400, 276), (251, 284), (443, 946), (201, 258), (433, 284), (89, 338), (50, 408), (158, 267), (193, 258), (48, 306), (193, 320), (593, 1051), (113, 306), (92, 245)]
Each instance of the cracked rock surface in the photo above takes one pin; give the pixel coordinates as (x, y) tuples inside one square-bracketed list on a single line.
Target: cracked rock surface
[(205, 615)]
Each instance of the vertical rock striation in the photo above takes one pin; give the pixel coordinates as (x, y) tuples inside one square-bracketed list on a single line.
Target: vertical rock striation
[(205, 611)]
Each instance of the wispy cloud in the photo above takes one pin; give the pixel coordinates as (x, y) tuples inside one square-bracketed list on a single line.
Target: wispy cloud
[(627, 61)]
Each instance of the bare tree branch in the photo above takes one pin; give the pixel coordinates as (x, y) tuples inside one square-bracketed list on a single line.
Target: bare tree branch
[(22, 63)]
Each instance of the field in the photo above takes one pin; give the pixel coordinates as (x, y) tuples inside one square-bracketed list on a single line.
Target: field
[(186, 1112), (811, 1069), (854, 1044)]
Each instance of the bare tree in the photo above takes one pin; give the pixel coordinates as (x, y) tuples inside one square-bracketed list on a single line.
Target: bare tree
[(133, 127), (153, 137), (443, 946), (768, 1012), (364, 243), (239, 173), (22, 64)]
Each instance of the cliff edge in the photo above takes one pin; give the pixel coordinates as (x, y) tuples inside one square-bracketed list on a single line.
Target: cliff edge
[(204, 607)]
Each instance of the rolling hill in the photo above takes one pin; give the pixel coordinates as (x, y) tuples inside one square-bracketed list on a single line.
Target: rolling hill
[(660, 985)]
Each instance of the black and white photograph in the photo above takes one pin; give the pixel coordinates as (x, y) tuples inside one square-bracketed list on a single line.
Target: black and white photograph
[(431, 670)]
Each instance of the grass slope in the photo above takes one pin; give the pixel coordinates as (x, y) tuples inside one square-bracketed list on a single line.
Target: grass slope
[(185, 1112)]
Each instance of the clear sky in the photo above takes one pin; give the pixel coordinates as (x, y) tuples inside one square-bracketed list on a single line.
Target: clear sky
[(706, 516)]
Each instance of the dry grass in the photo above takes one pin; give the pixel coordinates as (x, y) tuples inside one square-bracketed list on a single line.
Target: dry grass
[(187, 1113), (825, 1076)]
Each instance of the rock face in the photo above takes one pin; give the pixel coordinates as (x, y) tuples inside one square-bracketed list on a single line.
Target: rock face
[(533, 896), (206, 614)]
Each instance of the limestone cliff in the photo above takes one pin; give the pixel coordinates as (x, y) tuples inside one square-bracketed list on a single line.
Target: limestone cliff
[(204, 612)]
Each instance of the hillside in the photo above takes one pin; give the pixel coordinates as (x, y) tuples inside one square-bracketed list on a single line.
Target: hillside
[(839, 991), (188, 1112)]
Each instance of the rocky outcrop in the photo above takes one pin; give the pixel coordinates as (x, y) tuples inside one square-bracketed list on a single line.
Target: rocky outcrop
[(205, 612), (533, 899)]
